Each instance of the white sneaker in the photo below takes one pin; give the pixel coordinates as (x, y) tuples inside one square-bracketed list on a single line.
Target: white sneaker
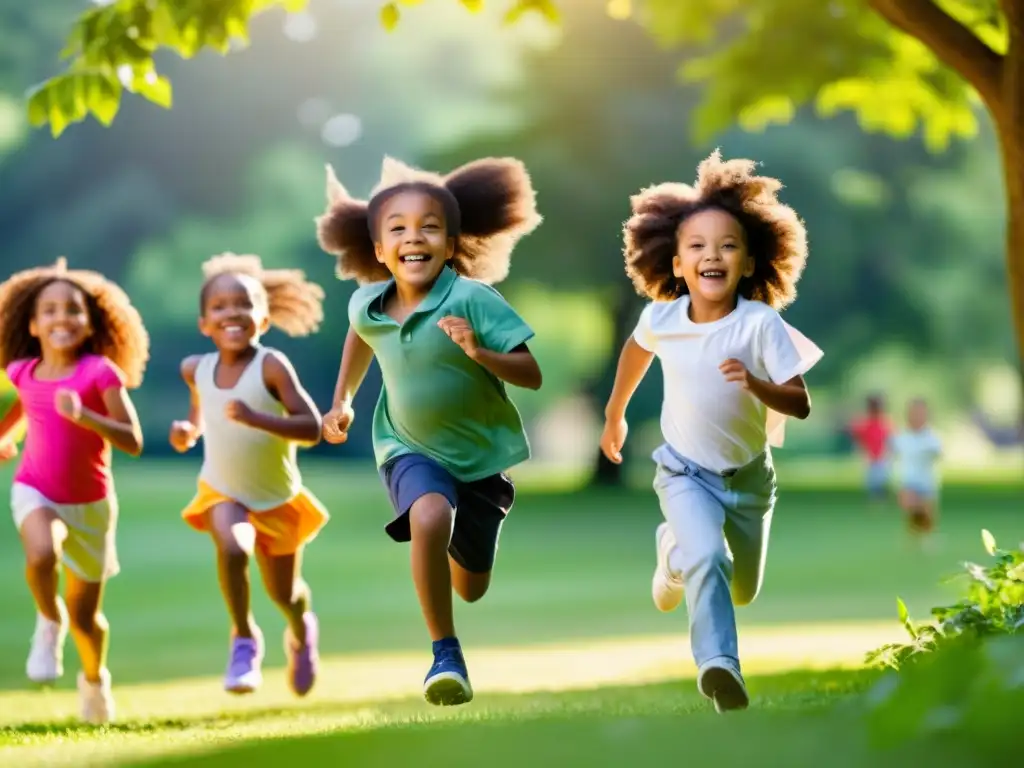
[(666, 587), (97, 700), (46, 657)]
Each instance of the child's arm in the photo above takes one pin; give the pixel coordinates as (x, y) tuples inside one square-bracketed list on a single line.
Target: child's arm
[(356, 357), (302, 424), (634, 362), (120, 427), (518, 367), (185, 434), (10, 422), (789, 399)]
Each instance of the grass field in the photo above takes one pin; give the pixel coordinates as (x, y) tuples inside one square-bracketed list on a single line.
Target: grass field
[(571, 662)]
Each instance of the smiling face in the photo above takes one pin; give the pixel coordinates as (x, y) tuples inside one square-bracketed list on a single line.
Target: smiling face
[(61, 319), (234, 312), (413, 240), (711, 257)]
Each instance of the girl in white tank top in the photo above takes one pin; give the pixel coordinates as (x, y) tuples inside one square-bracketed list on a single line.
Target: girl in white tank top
[(252, 412)]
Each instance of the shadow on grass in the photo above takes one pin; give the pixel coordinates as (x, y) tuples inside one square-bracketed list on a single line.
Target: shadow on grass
[(799, 690), (797, 719)]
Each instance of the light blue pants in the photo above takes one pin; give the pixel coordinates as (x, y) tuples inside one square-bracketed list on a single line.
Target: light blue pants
[(721, 524)]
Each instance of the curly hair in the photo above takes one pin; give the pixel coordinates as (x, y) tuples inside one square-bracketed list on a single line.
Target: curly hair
[(489, 205), (118, 332), (294, 304), (776, 238)]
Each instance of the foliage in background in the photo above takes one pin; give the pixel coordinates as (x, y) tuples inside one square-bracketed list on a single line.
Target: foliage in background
[(969, 694), (993, 605), (960, 677), (892, 81), (111, 49)]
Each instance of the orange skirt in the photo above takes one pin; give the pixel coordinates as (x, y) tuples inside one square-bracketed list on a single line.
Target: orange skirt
[(280, 531)]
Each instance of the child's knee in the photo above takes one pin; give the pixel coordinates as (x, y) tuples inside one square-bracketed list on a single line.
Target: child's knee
[(715, 560), (470, 586), (85, 618), (744, 592), (431, 516), (232, 554), (40, 558)]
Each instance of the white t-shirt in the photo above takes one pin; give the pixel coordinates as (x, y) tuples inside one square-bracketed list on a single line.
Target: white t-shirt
[(917, 455), (709, 420)]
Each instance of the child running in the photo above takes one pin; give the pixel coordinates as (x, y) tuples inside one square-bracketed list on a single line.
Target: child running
[(445, 430), (872, 433), (918, 450), (72, 344), (251, 411), (719, 260)]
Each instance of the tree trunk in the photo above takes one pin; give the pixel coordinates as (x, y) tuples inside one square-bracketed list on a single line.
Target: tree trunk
[(1009, 120)]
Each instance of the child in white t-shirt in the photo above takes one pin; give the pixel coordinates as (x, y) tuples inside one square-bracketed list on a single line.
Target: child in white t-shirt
[(918, 450), (718, 260)]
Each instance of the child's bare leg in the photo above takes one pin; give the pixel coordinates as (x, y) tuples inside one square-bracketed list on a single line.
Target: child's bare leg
[(286, 589), (89, 627), (291, 594), (91, 634), (235, 539), (42, 534), (430, 522), (469, 586)]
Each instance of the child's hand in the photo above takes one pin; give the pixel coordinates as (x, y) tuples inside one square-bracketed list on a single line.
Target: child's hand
[(736, 371), (461, 332), (336, 423), (8, 451), (184, 435), (68, 404), (613, 438), (239, 412)]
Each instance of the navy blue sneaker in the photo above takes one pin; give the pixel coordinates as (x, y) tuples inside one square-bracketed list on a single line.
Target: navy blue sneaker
[(447, 682)]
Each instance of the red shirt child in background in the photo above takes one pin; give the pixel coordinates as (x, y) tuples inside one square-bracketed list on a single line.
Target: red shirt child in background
[(871, 432)]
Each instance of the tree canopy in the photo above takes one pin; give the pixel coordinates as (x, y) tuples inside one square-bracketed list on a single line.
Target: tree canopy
[(757, 54)]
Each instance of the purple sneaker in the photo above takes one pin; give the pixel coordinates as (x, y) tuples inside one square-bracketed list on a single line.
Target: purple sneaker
[(303, 660), (244, 673)]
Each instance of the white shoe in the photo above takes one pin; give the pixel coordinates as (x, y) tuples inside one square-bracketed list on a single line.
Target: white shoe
[(666, 587), (97, 700), (46, 657)]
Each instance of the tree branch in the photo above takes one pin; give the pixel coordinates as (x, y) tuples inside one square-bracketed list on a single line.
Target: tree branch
[(951, 41)]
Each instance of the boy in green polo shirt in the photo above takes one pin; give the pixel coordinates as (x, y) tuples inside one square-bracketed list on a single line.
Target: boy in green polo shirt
[(425, 248)]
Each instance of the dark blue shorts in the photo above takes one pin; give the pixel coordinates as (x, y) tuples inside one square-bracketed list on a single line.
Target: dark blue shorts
[(480, 506)]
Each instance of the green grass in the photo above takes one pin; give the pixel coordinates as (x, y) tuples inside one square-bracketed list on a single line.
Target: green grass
[(573, 569)]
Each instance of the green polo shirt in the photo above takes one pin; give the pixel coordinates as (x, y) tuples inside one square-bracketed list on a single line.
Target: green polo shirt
[(435, 400)]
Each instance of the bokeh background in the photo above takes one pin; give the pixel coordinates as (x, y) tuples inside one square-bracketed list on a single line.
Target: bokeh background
[(905, 290)]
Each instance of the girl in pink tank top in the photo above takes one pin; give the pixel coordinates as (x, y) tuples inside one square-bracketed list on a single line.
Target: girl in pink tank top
[(71, 344)]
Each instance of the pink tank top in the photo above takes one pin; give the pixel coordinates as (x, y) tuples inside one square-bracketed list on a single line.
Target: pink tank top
[(66, 463)]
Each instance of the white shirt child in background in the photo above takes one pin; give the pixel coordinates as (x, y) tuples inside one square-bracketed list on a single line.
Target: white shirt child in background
[(918, 450)]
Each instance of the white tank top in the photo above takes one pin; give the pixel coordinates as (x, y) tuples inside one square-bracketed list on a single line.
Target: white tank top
[(253, 467)]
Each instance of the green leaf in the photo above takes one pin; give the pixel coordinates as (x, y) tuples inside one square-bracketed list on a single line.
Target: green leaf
[(904, 615), (38, 106), (104, 98), (988, 540), (389, 16), (155, 88)]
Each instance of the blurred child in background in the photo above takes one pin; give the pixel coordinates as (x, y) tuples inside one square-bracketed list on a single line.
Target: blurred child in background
[(918, 450), (872, 432)]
